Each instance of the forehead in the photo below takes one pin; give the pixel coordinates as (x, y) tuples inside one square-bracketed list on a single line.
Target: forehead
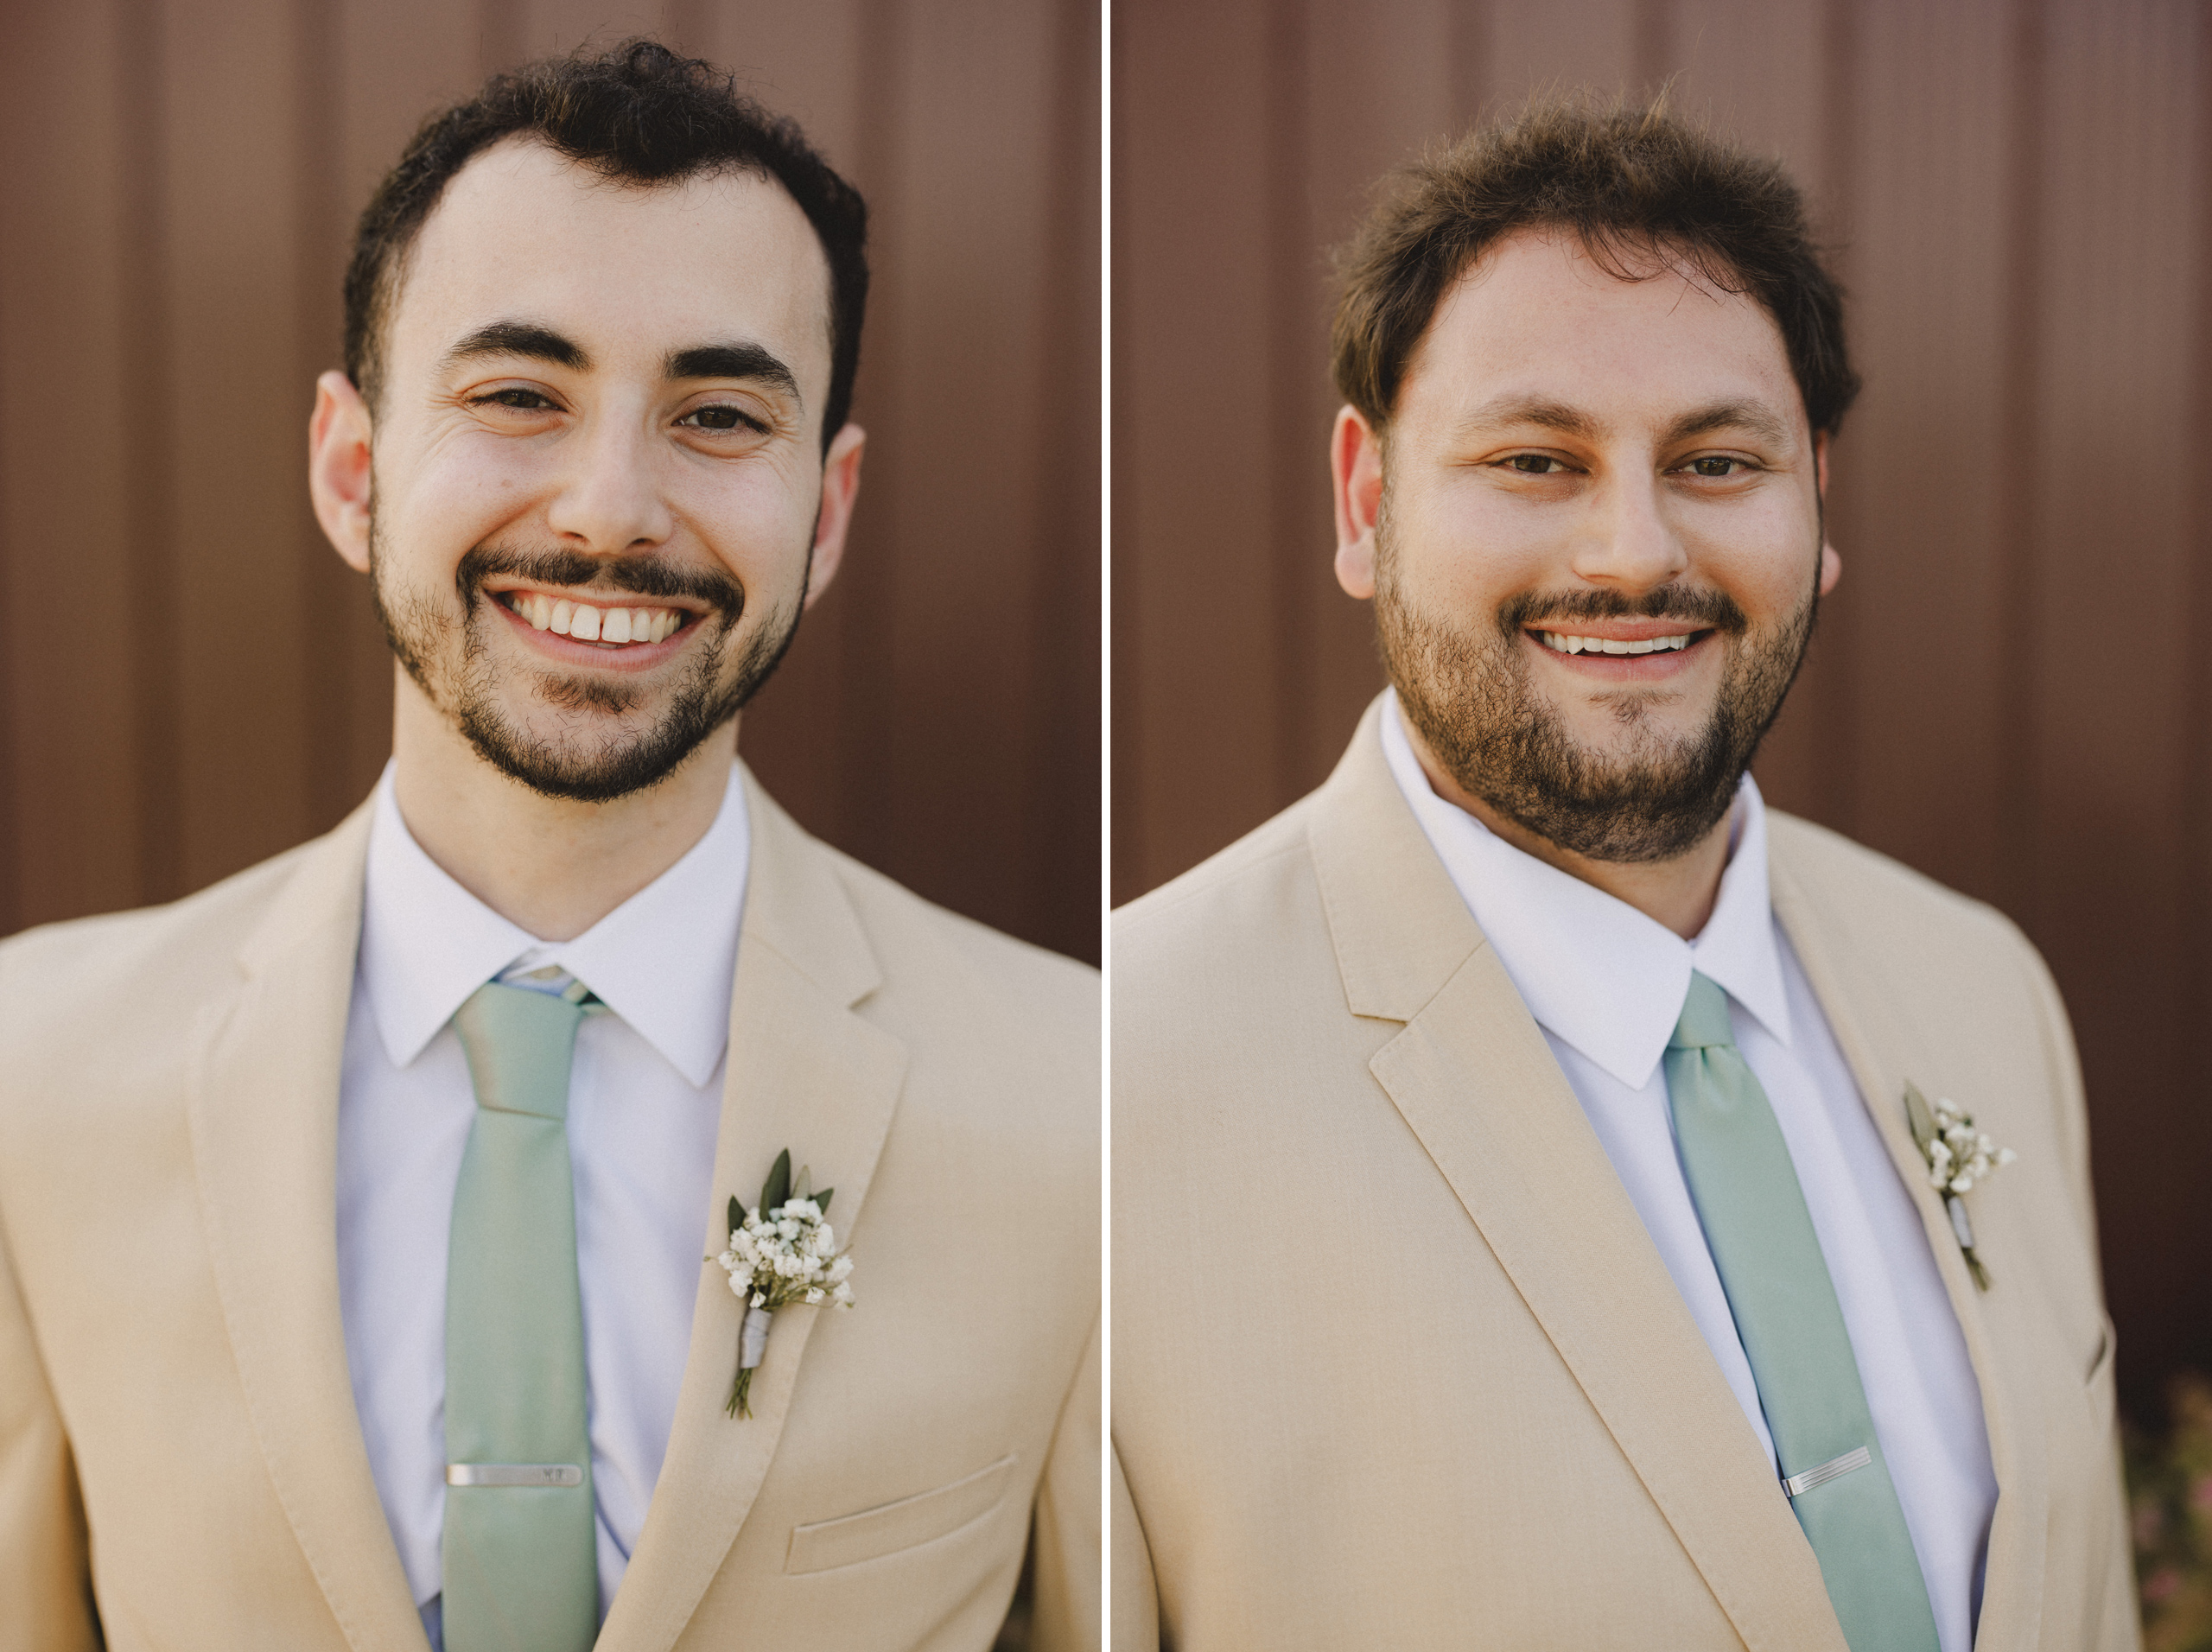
[(1536, 316), (521, 231)]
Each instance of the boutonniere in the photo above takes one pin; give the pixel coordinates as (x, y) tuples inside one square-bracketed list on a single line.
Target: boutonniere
[(781, 1251), (1958, 1156)]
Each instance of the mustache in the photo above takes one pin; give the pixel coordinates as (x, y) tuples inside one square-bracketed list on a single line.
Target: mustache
[(635, 575), (1708, 610)]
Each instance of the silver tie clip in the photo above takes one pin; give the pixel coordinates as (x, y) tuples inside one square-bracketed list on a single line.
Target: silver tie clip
[(1798, 1484), (518, 1474)]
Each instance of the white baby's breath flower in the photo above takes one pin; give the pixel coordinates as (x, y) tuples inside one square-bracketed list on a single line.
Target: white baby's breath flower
[(1960, 1155), (786, 1254)]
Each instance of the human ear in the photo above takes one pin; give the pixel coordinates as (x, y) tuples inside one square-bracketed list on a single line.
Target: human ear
[(1831, 564), (841, 486), (1356, 471), (338, 467)]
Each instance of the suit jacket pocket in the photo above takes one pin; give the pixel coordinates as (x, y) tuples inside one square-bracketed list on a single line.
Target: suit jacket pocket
[(910, 1521)]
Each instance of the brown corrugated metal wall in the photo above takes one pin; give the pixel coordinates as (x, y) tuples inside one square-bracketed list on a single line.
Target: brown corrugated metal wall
[(2009, 691), (191, 680)]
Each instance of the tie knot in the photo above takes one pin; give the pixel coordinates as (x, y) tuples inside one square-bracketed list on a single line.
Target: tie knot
[(519, 1044), (1704, 1024)]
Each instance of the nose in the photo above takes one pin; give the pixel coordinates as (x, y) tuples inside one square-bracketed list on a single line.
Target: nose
[(609, 499), (1629, 544)]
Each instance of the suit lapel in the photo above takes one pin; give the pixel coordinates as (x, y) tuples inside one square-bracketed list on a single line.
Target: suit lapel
[(1884, 1046), (804, 1072), (1475, 1080), (263, 1109)]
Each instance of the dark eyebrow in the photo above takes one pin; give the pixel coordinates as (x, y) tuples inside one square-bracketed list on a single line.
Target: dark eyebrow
[(518, 338), (731, 361), (1731, 416), (1516, 409)]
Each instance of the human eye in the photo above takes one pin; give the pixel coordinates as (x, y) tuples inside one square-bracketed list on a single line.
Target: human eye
[(514, 398), (724, 417), (1534, 464), (1718, 466)]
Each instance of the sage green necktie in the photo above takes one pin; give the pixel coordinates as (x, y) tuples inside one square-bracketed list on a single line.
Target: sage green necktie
[(1753, 1212), (519, 1551)]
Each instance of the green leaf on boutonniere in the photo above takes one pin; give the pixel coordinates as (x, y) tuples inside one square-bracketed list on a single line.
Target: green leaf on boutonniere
[(1918, 1116), (822, 1200), (736, 1213), (778, 1188)]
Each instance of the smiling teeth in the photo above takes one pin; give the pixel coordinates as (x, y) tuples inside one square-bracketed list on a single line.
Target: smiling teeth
[(588, 624), (1561, 642)]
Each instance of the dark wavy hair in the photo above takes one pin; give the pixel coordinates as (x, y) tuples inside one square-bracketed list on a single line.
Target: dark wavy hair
[(1638, 187), (636, 114)]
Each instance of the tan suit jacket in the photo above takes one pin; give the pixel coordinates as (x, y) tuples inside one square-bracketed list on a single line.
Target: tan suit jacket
[(179, 1446), (1394, 1361)]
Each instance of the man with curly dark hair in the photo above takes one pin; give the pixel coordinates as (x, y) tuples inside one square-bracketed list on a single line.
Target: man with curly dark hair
[(1650, 1221), (362, 1213)]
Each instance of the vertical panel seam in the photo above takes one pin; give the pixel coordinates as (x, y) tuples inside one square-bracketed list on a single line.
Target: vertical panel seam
[(684, 25), (501, 38), (18, 796), (1648, 47), (2020, 387), (1131, 867), (2196, 751), (1835, 780), (145, 324), (863, 718), (324, 761), (1059, 539), (1470, 66), (1287, 298)]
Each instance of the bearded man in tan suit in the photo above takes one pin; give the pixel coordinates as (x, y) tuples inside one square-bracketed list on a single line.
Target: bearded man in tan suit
[(1527, 1227), (305, 1345)]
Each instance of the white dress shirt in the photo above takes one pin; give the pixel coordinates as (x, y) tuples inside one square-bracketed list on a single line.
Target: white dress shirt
[(1607, 984), (644, 1103)]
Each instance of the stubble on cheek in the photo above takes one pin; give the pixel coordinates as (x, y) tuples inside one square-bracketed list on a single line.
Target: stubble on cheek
[(417, 630)]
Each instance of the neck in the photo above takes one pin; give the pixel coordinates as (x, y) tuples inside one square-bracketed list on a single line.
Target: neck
[(548, 865), (1679, 893)]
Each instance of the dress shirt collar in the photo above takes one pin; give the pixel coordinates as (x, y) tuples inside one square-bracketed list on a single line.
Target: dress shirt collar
[(1595, 972), (663, 960)]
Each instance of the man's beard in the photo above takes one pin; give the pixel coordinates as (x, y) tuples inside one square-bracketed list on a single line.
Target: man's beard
[(1467, 692), (451, 664)]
